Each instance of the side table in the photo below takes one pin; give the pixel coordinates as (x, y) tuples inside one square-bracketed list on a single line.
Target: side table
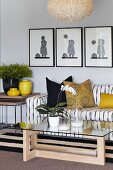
[(13, 101)]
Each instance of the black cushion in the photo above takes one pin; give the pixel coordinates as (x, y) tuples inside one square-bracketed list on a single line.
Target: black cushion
[(53, 90)]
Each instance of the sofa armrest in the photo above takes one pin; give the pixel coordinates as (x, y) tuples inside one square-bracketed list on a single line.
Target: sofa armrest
[(32, 114)]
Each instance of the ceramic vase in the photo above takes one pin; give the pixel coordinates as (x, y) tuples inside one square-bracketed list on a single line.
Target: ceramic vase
[(25, 87), (54, 121), (13, 92), (10, 83)]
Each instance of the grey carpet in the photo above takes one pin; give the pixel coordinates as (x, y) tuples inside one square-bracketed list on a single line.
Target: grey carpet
[(13, 161)]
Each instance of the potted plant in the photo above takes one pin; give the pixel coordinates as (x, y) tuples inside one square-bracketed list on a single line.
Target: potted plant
[(11, 74), (52, 113)]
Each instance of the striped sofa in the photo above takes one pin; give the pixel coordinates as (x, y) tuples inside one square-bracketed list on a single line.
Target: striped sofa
[(93, 113)]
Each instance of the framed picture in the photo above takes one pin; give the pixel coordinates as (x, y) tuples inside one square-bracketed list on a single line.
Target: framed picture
[(69, 47), (41, 47), (98, 46)]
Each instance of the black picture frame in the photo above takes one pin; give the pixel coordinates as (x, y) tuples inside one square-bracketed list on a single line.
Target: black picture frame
[(69, 47), (98, 46), (41, 47)]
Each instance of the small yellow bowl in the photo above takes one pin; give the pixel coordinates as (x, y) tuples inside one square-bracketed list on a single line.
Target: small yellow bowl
[(24, 125)]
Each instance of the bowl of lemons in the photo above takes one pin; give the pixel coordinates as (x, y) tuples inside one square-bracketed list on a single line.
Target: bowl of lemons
[(25, 125)]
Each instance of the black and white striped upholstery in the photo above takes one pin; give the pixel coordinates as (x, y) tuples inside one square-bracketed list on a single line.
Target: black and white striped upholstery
[(32, 115), (93, 113)]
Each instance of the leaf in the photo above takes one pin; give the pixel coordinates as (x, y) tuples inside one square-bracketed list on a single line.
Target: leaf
[(61, 104), (41, 111), (42, 106), (53, 111)]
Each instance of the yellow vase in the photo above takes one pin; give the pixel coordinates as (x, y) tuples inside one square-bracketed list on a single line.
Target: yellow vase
[(13, 92), (25, 87)]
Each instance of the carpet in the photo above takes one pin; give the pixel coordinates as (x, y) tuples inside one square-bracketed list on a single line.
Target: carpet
[(13, 161)]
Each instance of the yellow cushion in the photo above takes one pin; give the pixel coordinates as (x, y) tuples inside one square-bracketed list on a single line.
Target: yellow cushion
[(106, 100), (84, 94)]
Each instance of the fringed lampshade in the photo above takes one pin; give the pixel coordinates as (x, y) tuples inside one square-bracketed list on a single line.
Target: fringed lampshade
[(70, 10)]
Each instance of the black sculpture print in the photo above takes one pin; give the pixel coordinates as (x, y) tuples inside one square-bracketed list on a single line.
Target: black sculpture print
[(70, 48), (43, 49), (100, 49)]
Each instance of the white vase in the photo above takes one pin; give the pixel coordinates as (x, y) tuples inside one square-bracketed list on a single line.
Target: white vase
[(54, 121)]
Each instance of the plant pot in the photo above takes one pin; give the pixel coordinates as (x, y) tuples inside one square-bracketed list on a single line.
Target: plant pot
[(54, 121), (25, 87), (10, 83)]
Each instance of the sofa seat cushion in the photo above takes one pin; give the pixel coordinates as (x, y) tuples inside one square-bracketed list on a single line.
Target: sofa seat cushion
[(94, 113)]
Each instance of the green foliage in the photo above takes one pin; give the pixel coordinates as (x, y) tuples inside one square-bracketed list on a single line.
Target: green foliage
[(52, 111), (16, 71)]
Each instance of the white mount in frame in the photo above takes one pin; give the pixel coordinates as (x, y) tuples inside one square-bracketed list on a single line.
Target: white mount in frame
[(41, 47), (69, 47), (98, 46)]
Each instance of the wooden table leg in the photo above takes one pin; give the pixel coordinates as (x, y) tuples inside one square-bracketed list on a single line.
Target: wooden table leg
[(28, 153), (101, 150)]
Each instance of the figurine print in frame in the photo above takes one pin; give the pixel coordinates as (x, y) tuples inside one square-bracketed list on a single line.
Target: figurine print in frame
[(98, 46), (69, 47), (41, 47)]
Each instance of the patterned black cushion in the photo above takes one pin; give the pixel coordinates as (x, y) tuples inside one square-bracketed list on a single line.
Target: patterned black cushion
[(53, 90)]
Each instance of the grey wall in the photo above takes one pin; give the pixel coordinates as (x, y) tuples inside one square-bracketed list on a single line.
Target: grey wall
[(18, 16)]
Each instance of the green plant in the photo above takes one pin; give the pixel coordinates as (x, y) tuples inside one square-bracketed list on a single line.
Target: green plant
[(16, 71), (51, 111)]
